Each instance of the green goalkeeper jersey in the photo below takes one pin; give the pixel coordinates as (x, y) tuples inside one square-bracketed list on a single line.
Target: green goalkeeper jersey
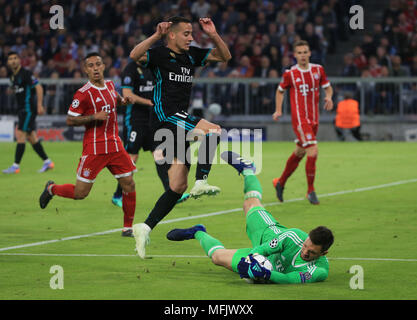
[(284, 250)]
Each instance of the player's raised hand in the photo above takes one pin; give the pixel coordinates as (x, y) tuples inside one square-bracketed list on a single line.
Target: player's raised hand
[(163, 28), (207, 25), (328, 104)]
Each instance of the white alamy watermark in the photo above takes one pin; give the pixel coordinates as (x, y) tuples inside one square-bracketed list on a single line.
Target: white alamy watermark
[(357, 281), (57, 20), (357, 21), (57, 280), (245, 142)]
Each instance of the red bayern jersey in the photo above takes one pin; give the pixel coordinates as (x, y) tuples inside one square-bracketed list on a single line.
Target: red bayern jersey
[(100, 137), (304, 88)]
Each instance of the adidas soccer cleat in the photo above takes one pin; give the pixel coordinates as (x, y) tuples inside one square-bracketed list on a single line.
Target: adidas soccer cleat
[(279, 189), (117, 201), (184, 198), (141, 233), (312, 197), (12, 169), (47, 165), (237, 162), (46, 196), (201, 187), (184, 234)]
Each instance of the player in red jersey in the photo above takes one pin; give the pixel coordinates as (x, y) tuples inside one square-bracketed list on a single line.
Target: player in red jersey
[(94, 106), (304, 81)]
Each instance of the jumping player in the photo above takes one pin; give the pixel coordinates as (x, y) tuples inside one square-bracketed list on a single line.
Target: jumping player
[(138, 83), (296, 257), (25, 85), (304, 81), (94, 106), (173, 66)]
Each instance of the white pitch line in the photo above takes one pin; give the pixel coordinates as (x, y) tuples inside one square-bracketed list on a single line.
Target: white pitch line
[(174, 256), (386, 185)]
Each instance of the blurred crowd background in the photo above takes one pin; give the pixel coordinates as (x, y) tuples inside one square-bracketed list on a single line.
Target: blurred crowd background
[(259, 33)]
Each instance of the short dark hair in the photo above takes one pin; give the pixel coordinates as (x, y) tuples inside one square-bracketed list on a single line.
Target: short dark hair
[(11, 53), (178, 19), (91, 54), (322, 236), (300, 43)]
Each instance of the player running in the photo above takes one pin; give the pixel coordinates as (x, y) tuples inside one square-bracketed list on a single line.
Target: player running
[(173, 66), (138, 83), (304, 81), (94, 106), (24, 86), (296, 257)]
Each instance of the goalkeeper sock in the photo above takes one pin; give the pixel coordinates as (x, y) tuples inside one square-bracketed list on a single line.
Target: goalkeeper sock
[(252, 188), (208, 243)]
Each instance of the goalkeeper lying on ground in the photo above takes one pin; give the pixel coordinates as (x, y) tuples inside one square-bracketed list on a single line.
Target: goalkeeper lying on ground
[(297, 257)]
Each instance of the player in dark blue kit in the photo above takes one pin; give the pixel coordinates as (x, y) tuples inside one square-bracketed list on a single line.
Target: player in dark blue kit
[(173, 66), (25, 86), (138, 83)]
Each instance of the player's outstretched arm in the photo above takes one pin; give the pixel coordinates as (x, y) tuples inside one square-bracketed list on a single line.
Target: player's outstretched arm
[(221, 52), (138, 52)]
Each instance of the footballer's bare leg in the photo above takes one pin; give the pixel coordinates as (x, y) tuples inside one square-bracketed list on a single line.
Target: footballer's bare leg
[(223, 258), (82, 189)]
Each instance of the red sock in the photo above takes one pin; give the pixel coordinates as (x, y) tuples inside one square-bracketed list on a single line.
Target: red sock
[(129, 207), (292, 164), (311, 172), (63, 190)]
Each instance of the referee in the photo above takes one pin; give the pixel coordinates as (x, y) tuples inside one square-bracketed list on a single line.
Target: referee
[(24, 86)]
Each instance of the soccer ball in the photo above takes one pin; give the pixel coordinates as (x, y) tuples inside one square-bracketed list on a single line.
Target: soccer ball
[(215, 109), (264, 262)]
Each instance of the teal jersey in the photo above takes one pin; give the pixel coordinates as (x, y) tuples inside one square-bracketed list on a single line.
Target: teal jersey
[(284, 250)]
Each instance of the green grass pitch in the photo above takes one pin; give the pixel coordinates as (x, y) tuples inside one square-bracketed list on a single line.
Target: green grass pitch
[(373, 217)]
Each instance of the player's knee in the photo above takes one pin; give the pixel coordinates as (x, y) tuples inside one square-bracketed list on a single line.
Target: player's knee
[(127, 184), (179, 187), (216, 258), (80, 195), (300, 153)]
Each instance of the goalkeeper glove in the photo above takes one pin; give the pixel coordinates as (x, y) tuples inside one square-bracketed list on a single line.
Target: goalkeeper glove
[(249, 267)]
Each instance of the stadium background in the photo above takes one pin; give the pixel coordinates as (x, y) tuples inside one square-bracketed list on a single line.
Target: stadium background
[(367, 189), (377, 64)]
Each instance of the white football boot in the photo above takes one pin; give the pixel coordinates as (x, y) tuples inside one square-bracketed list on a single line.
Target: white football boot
[(141, 233), (201, 187)]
